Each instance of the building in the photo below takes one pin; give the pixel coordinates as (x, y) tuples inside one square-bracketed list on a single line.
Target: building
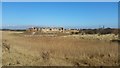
[(46, 29), (53, 30)]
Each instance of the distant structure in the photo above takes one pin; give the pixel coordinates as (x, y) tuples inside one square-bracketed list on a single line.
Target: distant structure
[(45, 29), (52, 30)]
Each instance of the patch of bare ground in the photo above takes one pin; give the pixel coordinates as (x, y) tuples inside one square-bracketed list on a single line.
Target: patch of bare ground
[(20, 50)]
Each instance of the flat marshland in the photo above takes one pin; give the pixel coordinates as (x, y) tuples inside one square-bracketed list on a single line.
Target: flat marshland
[(21, 50)]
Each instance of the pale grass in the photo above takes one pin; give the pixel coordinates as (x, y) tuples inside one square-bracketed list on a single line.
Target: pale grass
[(59, 51)]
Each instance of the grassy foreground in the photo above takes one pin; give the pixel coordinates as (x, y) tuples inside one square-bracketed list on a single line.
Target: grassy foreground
[(21, 50)]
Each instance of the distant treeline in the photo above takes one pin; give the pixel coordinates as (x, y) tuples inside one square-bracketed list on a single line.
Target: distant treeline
[(100, 31), (83, 31), (13, 29)]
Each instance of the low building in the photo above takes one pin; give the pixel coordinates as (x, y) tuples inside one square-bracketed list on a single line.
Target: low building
[(53, 30), (46, 29)]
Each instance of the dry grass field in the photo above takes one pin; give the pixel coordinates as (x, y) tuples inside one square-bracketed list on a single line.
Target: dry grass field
[(21, 50)]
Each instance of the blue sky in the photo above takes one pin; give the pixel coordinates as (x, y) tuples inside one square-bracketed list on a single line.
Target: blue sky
[(66, 14)]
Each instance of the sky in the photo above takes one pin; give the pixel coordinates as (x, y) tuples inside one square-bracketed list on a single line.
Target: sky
[(60, 14), (0, 14)]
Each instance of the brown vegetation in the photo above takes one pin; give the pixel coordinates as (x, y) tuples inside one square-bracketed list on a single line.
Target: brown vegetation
[(34, 50), (100, 31)]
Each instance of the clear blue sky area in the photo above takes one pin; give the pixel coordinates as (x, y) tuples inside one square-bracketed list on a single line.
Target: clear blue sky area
[(66, 14)]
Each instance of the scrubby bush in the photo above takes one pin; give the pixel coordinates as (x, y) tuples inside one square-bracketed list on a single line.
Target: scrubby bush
[(100, 31)]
